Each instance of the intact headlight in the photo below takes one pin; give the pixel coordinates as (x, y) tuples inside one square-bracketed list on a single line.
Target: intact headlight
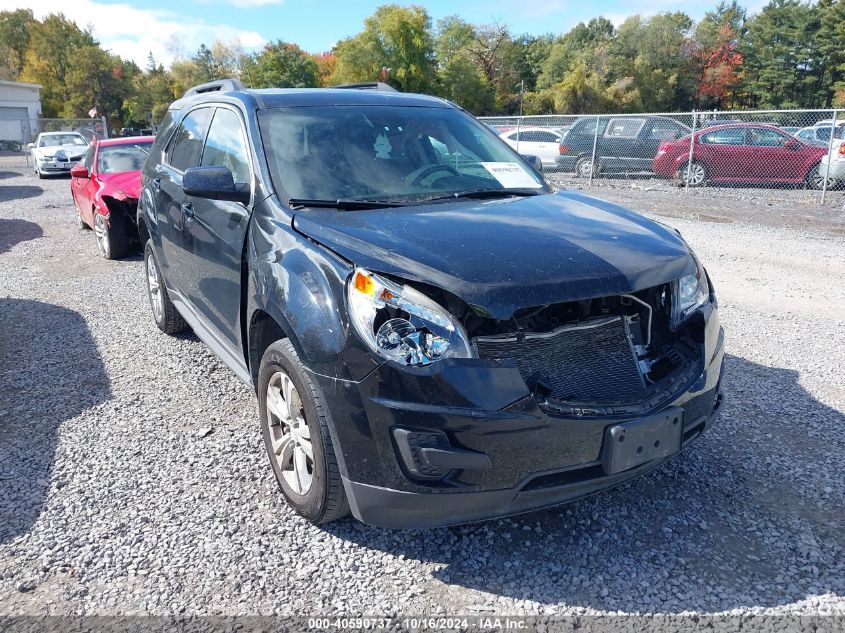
[(402, 324), (689, 293)]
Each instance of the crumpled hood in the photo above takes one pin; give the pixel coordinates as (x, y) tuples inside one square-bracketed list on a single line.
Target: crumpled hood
[(503, 255), (126, 182), (62, 151)]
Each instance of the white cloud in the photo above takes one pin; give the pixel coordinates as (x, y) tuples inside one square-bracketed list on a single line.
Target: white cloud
[(133, 33)]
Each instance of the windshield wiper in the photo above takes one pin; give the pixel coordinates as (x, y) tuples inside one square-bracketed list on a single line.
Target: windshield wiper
[(349, 205), (485, 193)]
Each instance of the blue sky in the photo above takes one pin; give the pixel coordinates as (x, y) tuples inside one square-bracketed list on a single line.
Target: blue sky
[(132, 28)]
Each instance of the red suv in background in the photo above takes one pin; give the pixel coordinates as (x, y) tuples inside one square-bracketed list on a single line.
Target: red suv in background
[(105, 186), (742, 153)]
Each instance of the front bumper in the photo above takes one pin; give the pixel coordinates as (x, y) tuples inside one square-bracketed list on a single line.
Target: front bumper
[(837, 168), (537, 459)]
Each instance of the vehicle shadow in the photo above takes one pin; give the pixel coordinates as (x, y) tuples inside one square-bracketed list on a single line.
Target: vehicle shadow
[(41, 346), (711, 530), (9, 174), (19, 192), (13, 232)]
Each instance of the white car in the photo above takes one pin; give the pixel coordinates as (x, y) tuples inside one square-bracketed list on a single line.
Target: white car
[(57, 152), (837, 165), (536, 141)]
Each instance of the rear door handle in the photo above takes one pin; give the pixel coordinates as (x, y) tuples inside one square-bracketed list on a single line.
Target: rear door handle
[(188, 210), (157, 184)]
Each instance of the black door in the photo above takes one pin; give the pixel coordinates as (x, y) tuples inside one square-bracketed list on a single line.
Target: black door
[(656, 131), (215, 232), (184, 150)]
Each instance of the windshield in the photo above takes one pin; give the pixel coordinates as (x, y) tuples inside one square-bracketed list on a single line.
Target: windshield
[(396, 153), (55, 140), (124, 157)]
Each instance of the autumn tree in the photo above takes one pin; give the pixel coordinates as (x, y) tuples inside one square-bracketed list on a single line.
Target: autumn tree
[(50, 56), (396, 44), (280, 65)]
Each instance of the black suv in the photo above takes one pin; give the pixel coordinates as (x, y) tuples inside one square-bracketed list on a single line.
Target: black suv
[(623, 144), (434, 336)]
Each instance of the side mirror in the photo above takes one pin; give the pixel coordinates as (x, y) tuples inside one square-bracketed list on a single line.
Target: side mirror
[(215, 183), (79, 171), (30, 145), (534, 161), (792, 143)]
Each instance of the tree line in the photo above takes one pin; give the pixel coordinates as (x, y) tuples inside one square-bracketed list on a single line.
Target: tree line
[(789, 55)]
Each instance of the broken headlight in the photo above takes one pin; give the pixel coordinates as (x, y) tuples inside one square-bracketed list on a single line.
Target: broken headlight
[(402, 324), (689, 293)]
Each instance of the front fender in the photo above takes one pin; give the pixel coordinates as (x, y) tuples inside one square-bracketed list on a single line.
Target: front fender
[(301, 285)]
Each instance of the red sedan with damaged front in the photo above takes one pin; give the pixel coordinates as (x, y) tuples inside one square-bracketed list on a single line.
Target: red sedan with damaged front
[(105, 187), (748, 153)]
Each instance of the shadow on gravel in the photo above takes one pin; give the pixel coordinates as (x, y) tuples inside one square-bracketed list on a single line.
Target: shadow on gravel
[(9, 174), (19, 192), (750, 515), (50, 371), (14, 232)]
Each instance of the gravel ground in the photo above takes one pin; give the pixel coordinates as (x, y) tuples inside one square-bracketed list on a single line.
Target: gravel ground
[(133, 479)]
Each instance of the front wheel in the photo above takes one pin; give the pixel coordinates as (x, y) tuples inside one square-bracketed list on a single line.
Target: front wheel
[(294, 425), (112, 235), (693, 175)]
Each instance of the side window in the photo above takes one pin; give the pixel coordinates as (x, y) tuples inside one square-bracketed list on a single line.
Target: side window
[(624, 128), (587, 127), (807, 135), (823, 133), (185, 147), (88, 158), (546, 137), (730, 136), (664, 130), (225, 145), (762, 137), (513, 137)]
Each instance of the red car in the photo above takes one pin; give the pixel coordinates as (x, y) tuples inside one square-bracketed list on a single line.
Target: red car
[(741, 153), (105, 187)]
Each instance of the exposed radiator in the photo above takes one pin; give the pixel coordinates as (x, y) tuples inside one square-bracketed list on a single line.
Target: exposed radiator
[(589, 362)]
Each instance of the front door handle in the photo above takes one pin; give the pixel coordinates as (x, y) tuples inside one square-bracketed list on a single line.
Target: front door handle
[(188, 210)]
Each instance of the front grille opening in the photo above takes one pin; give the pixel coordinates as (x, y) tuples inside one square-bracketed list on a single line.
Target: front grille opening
[(565, 478), (603, 356)]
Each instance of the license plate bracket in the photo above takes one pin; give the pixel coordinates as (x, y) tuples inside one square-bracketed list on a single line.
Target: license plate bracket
[(630, 444)]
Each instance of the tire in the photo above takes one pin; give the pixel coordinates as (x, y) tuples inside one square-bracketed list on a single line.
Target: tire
[(815, 179), (40, 175), (112, 235), (165, 315), (698, 174), (314, 491), (584, 165)]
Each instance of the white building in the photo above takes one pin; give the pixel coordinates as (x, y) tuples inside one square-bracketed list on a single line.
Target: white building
[(20, 109)]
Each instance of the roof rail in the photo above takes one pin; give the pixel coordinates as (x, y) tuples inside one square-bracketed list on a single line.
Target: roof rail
[(369, 85), (221, 85)]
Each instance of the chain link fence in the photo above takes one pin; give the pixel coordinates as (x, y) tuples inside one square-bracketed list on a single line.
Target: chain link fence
[(16, 134), (765, 149)]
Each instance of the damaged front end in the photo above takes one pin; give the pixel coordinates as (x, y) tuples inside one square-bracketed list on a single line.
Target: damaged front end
[(523, 412), (597, 357)]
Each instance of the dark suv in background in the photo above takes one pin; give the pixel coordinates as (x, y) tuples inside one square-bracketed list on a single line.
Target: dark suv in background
[(434, 336), (625, 144)]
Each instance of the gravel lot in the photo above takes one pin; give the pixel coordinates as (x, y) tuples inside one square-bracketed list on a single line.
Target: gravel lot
[(133, 479)]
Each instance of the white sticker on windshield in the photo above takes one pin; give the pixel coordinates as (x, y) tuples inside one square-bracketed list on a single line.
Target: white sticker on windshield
[(511, 175)]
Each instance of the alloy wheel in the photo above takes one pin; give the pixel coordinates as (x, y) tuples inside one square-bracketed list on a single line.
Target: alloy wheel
[(290, 435), (101, 232), (154, 289), (694, 175)]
